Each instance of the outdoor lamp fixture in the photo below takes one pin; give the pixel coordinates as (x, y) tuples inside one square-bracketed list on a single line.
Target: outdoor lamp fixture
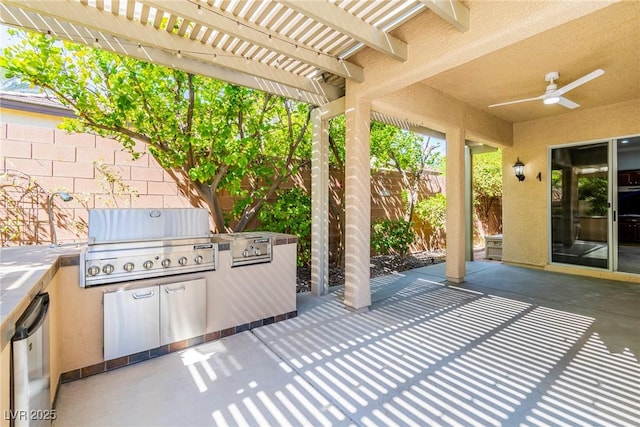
[(65, 198), (518, 168)]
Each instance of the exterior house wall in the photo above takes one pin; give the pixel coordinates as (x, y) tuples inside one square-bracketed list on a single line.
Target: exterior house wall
[(527, 242), (525, 205)]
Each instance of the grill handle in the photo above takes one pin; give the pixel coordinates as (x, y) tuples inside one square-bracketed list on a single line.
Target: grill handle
[(143, 296), (171, 291)]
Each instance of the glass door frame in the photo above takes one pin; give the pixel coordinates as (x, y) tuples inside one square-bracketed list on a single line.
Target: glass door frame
[(612, 201), (613, 237), (613, 205)]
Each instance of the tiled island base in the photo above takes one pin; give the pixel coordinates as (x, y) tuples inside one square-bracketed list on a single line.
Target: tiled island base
[(109, 365)]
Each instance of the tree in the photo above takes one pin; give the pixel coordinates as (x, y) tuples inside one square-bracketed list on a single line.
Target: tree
[(433, 211), (221, 137), (337, 130), (406, 152), (487, 183), (593, 189), (393, 148)]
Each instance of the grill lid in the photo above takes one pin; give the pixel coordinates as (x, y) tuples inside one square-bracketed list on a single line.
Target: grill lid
[(127, 225)]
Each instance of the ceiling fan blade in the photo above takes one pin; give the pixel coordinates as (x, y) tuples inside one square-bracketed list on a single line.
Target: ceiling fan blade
[(582, 80), (568, 103), (516, 101)]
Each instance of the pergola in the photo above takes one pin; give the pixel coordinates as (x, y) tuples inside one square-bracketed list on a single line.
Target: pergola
[(416, 64)]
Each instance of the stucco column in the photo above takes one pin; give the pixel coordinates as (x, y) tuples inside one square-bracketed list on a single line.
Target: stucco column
[(456, 205), (357, 294), (319, 204)]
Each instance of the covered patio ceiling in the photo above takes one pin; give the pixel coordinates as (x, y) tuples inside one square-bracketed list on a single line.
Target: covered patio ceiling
[(298, 49), (307, 50)]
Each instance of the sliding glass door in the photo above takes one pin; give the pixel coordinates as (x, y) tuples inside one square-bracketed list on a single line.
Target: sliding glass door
[(595, 204), (580, 205), (627, 256)]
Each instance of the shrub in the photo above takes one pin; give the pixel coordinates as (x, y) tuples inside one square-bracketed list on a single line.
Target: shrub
[(432, 211), (290, 213), (392, 236)]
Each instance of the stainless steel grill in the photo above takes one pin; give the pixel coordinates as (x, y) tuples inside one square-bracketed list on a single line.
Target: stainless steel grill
[(131, 244)]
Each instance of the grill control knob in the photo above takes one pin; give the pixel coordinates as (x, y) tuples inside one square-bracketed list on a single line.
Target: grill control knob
[(128, 266), (257, 252), (182, 260), (245, 253), (147, 264), (198, 259), (166, 262), (93, 270), (108, 269)]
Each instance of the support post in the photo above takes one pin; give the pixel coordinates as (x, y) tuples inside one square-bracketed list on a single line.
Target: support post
[(468, 196), (357, 293), (456, 205), (320, 117), (319, 204)]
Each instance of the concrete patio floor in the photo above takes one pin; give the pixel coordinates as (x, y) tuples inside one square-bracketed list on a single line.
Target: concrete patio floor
[(510, 346)]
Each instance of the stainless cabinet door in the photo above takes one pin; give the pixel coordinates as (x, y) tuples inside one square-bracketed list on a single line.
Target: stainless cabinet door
[(182, 310), (131, 321)]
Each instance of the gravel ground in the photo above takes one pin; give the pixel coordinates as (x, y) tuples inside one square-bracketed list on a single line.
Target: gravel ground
[(380, 265)]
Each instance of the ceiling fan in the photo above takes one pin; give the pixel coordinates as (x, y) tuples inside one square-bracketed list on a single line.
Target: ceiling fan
[(553, 95)]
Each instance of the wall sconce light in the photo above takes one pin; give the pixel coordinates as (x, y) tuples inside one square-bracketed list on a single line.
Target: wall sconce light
[(66, 197), (518, 168), (539, 176)]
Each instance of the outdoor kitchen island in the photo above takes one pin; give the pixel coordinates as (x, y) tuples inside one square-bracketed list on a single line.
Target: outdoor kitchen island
[(237, 299)]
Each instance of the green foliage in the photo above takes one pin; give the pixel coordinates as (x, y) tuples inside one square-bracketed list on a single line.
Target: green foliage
[(290, 213), (487, 185), (398, 149), (391, 147), (432, 211), (224, 138), (594, 190), (337, 135), (392, 236), (487, 176), (407, 153)]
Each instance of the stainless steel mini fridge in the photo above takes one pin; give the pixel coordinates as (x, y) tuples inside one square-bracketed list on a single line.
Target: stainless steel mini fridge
[(30, 400)]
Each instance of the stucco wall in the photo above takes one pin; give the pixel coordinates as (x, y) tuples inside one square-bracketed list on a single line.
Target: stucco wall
[(526, 204), (427, 107)]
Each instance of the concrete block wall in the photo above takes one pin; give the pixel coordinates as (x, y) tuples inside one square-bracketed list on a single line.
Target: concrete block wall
[(95, 170), (99, 174)]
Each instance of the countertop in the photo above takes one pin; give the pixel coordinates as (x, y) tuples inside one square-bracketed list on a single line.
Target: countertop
[(26, 270)]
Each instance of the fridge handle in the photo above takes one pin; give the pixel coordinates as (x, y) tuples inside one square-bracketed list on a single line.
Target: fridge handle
[(26, 326)]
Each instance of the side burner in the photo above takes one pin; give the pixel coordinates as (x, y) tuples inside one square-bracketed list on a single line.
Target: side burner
[(250, 248)]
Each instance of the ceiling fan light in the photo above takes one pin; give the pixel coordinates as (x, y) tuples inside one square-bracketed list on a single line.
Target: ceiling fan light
[(551, 100)]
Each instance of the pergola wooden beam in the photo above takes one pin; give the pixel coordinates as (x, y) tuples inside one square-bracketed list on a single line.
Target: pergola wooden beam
[(452, 11), (161, 47), (336, 18), (249, 32)]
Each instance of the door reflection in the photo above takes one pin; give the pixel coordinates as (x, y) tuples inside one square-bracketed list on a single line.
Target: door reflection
[(628, 221), (579, 205)]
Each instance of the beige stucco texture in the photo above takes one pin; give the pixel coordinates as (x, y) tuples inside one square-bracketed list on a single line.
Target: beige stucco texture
[(427, 91), (526, 203)]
